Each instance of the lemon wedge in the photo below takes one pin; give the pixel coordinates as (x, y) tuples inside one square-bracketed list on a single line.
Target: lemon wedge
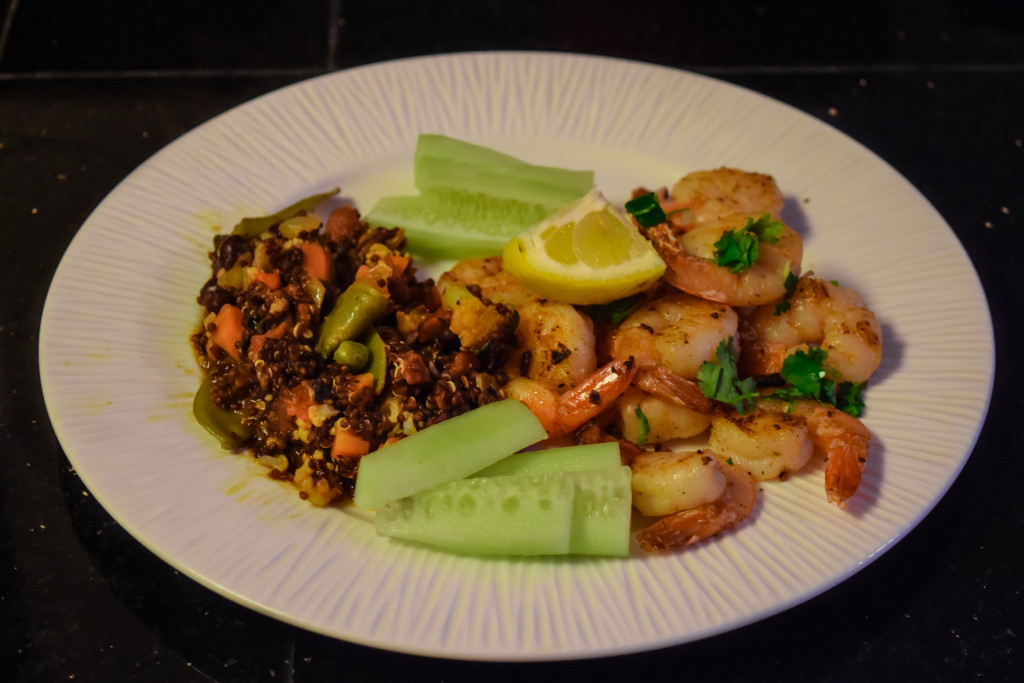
[(585, 253)]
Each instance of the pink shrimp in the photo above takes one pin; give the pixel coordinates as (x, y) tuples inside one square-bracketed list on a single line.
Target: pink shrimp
[(700, 493), (691, 267)]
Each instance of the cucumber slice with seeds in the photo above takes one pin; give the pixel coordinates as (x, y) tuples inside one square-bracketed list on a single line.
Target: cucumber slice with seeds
[(602, 511), (472, 199), (585, 513), (524, 515)]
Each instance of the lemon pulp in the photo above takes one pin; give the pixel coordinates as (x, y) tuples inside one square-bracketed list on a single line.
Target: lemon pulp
[(585, 253)]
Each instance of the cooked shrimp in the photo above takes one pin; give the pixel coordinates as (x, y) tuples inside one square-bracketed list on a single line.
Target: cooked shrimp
[(665, 419), (822, 314), (715, 194), (692, 268), (557, 345), (675, 330), (767, 444), (553, 371), (845, 441), (495, 283), (842, 439), (699, 494), (556, 341), (670, 336), (561, 413)]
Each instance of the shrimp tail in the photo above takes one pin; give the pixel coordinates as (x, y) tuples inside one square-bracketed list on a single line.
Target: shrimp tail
[(660, 381), (593, 396), (686, 528), (846, 442), (686, 272)]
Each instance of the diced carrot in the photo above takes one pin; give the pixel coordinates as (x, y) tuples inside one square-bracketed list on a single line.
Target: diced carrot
[(363, 273), (398, 263), (278, 330), (297, 400), (229, 329), (257, 341), (271, 280), (316, 261), (346, 444)]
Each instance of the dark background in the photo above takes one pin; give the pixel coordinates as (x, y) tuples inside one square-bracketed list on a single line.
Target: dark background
[(89, 90)]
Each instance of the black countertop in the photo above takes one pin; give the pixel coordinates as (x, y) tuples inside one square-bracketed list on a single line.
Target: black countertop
[(90, 90)]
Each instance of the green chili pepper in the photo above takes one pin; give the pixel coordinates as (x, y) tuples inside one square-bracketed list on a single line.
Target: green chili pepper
[(357, 308), (353, 354), (378, 359), (253, 227), (223, 424)]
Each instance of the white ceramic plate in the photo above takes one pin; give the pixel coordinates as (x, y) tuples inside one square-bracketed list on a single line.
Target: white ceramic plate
[(118, 374)]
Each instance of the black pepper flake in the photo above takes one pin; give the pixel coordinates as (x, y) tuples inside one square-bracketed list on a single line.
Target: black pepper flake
[(560, 354), (595, 398), (524, 363)]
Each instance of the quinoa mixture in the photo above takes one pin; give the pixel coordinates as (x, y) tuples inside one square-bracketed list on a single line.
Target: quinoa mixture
[(282, 382)]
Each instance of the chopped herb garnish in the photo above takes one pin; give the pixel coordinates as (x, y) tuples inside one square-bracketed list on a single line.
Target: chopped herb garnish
[(614, 311), (805, 370), (737, 250), (850, 397), (645, 427), (807, 378), (789, 283), (646, 209), (720, 381), (766, 229), (835, 283)]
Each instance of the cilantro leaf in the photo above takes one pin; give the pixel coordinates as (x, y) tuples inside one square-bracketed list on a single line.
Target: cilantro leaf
[(766, 229), (805, 370), (645, 427), (737, 250), (850, 397), (614, 311), (807, 378), (789, 283), (720, 381)]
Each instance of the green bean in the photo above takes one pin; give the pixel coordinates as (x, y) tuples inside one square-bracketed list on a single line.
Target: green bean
[(353, 354), (253, 227), (224, 424), (357, 308)]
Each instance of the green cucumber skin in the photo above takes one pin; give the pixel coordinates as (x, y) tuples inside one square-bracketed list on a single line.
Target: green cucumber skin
[(544, 186), (588, 513), (523, 515), (473, 199), (430, 235), (436, 155), (444, 452), (596, 456)]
